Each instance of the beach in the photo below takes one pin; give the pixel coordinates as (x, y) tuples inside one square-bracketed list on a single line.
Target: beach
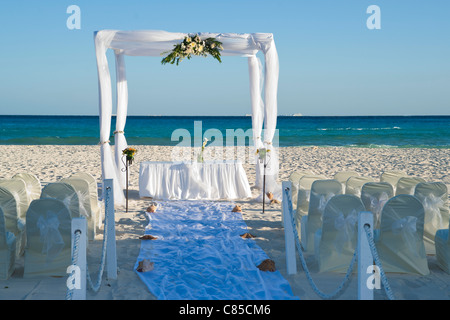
[(53, 162)]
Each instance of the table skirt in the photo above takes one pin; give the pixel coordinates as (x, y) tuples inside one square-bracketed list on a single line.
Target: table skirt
[(211, 180)]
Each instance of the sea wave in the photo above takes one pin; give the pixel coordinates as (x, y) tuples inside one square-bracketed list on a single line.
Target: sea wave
[(357, 129)]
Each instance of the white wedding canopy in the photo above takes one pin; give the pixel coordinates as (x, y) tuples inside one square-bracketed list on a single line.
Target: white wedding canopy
[(156, 42)]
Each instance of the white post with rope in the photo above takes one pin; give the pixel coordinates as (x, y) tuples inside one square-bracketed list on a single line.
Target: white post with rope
[(365, 259), (289, 236), (111, 253), (78, 282)]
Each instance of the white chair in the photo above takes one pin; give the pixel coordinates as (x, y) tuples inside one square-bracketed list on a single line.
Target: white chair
[(321, 192), (392, 177), (66, 193), (442, 245), (13, 223), (336, 241), (7, 250), (353, 185), (81, 187), (93, 191), (342, 177), (32, 184), (19, 189), (304, 192), (48, 251), (407, 185), (400, 245), (303, 195), (374, 195), (294, 177), (434, 198)]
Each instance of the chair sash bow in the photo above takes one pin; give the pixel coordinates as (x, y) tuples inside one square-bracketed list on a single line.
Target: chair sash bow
[(346, 227), (407, 228), (50, 236)]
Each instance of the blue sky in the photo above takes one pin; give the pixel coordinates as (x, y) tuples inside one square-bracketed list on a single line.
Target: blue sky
[(330, 62)]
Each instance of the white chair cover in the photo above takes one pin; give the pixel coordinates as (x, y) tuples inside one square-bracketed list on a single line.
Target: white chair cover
[(7, 250), (66, 193), (374, 195), (303, 195), (338, 237), (48, 252), (93, 191), (342, 177), (14, 224), (321, 192), (434, 198), (354, 185), (406, 185), (294, 178), (19, 189), (82, 189), (392, 177), (401, 246), (304, 192), (32, 184)]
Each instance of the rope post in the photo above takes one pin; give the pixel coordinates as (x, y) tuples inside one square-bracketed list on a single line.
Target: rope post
[(111, 254), (77, 282), (365, 259), (289, 236)]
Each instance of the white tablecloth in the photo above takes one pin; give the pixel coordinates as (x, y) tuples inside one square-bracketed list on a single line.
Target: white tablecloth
[(192, 181)]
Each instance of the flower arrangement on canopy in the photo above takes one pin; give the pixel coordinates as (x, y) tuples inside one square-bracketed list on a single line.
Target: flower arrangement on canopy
[(194, 45)]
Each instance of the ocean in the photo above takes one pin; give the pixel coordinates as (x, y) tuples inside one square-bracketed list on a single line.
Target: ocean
[(358, 131)]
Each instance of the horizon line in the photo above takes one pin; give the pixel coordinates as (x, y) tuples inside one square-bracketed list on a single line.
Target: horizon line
[(245, 115)]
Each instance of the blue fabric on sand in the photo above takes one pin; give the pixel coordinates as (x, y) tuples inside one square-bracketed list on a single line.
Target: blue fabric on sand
[(199, 255)]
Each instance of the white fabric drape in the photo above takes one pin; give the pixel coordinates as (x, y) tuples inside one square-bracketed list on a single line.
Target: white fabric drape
[(109, 169), (121, 117), (154, 43), (255, 79), (270, 113), (265, 111)]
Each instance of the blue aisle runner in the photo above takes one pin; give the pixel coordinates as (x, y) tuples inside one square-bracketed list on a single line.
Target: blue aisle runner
[(199, 255)]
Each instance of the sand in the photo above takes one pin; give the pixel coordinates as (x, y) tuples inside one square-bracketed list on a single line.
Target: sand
[(51, 163)]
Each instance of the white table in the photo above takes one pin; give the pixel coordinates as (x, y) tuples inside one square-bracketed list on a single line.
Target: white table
[(211, 180)]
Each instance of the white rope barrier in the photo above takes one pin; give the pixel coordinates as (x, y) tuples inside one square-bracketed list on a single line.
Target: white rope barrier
[(79, 273), (289, 216)]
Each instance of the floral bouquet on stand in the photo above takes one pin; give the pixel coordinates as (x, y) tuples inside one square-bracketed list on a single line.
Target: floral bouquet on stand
[(129, 153), (262, 155), (200, 155)]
